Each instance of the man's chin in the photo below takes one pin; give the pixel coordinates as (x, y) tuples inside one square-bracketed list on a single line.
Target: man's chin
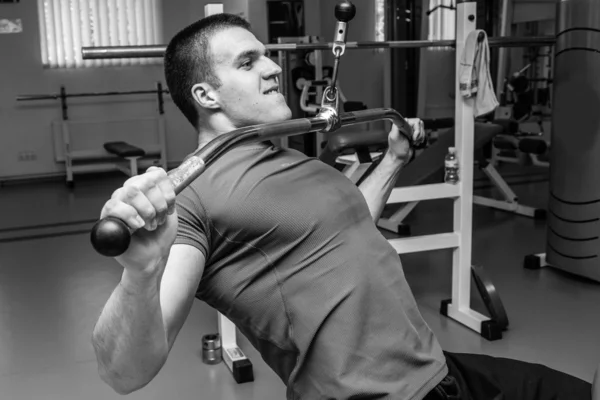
[(276, 114), (280, 115), (287, 114)]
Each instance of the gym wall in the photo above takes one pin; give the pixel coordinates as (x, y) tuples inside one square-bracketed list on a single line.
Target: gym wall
[(26, 126)]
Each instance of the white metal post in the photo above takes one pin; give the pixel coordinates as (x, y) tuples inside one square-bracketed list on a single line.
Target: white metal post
[(133, 166), (232, 354), (460, 308), (227, 331)]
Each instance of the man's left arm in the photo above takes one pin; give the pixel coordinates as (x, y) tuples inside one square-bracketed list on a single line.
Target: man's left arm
[(377, 187)]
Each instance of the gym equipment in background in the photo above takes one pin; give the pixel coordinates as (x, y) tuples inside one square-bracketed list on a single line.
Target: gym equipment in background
[(114, 154), (524, 111), (308, 64), (358, 160), (522, 150)]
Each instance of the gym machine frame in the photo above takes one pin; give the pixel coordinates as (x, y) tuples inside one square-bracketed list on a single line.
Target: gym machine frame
[(284, 62), (109, 234)]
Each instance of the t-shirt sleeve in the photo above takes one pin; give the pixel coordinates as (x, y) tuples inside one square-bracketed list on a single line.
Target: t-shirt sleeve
[(193, 227)]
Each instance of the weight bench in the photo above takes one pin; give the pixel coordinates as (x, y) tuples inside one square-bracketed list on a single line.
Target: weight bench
[(538, 150), (521, 150), (126, 151), (360, 153)]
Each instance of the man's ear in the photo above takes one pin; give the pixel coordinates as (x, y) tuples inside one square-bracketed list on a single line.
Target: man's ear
[(205, 96)]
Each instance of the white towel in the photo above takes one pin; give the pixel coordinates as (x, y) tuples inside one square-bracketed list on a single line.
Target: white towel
[(475, 79)]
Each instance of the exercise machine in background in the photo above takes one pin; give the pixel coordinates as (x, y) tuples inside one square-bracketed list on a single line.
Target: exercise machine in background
[(357, 161), (525, 112), (303, 89), (309, 65), (105, 150)]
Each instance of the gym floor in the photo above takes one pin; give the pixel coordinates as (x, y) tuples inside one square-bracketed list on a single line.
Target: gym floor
[(53, 287)]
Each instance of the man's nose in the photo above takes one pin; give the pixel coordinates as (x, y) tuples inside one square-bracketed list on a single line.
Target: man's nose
[(271, 68)]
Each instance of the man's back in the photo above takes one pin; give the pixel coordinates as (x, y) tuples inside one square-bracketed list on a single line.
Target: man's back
[(295, 260)]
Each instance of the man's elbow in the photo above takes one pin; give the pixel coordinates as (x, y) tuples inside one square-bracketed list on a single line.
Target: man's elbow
[(121, 385), (126, 379)]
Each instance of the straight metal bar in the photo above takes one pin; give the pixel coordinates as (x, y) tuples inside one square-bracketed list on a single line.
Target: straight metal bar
[(30, 97), (94, 53)]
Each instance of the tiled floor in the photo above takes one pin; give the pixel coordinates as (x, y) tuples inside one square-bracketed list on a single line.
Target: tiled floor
[(53, 287)]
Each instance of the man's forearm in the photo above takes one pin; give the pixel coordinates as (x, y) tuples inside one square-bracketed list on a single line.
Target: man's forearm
[(376, 187), (130, 339)]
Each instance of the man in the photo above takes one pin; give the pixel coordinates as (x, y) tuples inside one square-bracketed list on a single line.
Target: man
[(280, 243)]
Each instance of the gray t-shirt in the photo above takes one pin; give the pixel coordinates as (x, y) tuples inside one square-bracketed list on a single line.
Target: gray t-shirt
[(295, 260)]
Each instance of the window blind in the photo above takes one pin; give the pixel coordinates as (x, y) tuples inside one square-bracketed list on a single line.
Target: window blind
[(68, 25), (442, 21)]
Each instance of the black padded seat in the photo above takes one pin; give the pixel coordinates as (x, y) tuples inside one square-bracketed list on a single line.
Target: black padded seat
[(430, 162), (123, 149), (533, 146), (340, 142)]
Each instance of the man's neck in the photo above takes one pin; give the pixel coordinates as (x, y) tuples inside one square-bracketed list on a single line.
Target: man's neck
[(215, 126), (205, 137)]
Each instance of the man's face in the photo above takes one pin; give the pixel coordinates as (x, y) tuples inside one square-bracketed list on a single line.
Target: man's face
[(249, 93)]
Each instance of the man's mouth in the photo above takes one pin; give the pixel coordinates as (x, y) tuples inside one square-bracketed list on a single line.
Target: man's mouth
[(273, 90)]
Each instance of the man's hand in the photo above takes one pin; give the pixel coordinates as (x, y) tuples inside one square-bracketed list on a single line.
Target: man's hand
[(398, 146), (146, 201)]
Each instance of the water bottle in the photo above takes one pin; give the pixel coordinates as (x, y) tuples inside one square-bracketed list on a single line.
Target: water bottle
[(451, 166)]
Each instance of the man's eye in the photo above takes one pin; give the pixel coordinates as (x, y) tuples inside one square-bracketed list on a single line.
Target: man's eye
[(247, 64)]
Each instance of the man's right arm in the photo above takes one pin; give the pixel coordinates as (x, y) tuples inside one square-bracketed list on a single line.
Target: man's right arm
[(142, 318)]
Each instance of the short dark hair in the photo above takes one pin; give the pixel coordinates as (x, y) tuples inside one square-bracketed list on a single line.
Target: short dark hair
[(188, 61)]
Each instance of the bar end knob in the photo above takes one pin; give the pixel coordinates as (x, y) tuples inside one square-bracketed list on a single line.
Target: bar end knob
[(345, 11), (110, 237)]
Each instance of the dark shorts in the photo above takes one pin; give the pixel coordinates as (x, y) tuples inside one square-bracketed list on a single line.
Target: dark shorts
[(481, 377)]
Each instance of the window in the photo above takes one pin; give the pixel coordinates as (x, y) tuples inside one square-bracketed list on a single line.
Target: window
[(442, 20), (68, 25), (379, 20)]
